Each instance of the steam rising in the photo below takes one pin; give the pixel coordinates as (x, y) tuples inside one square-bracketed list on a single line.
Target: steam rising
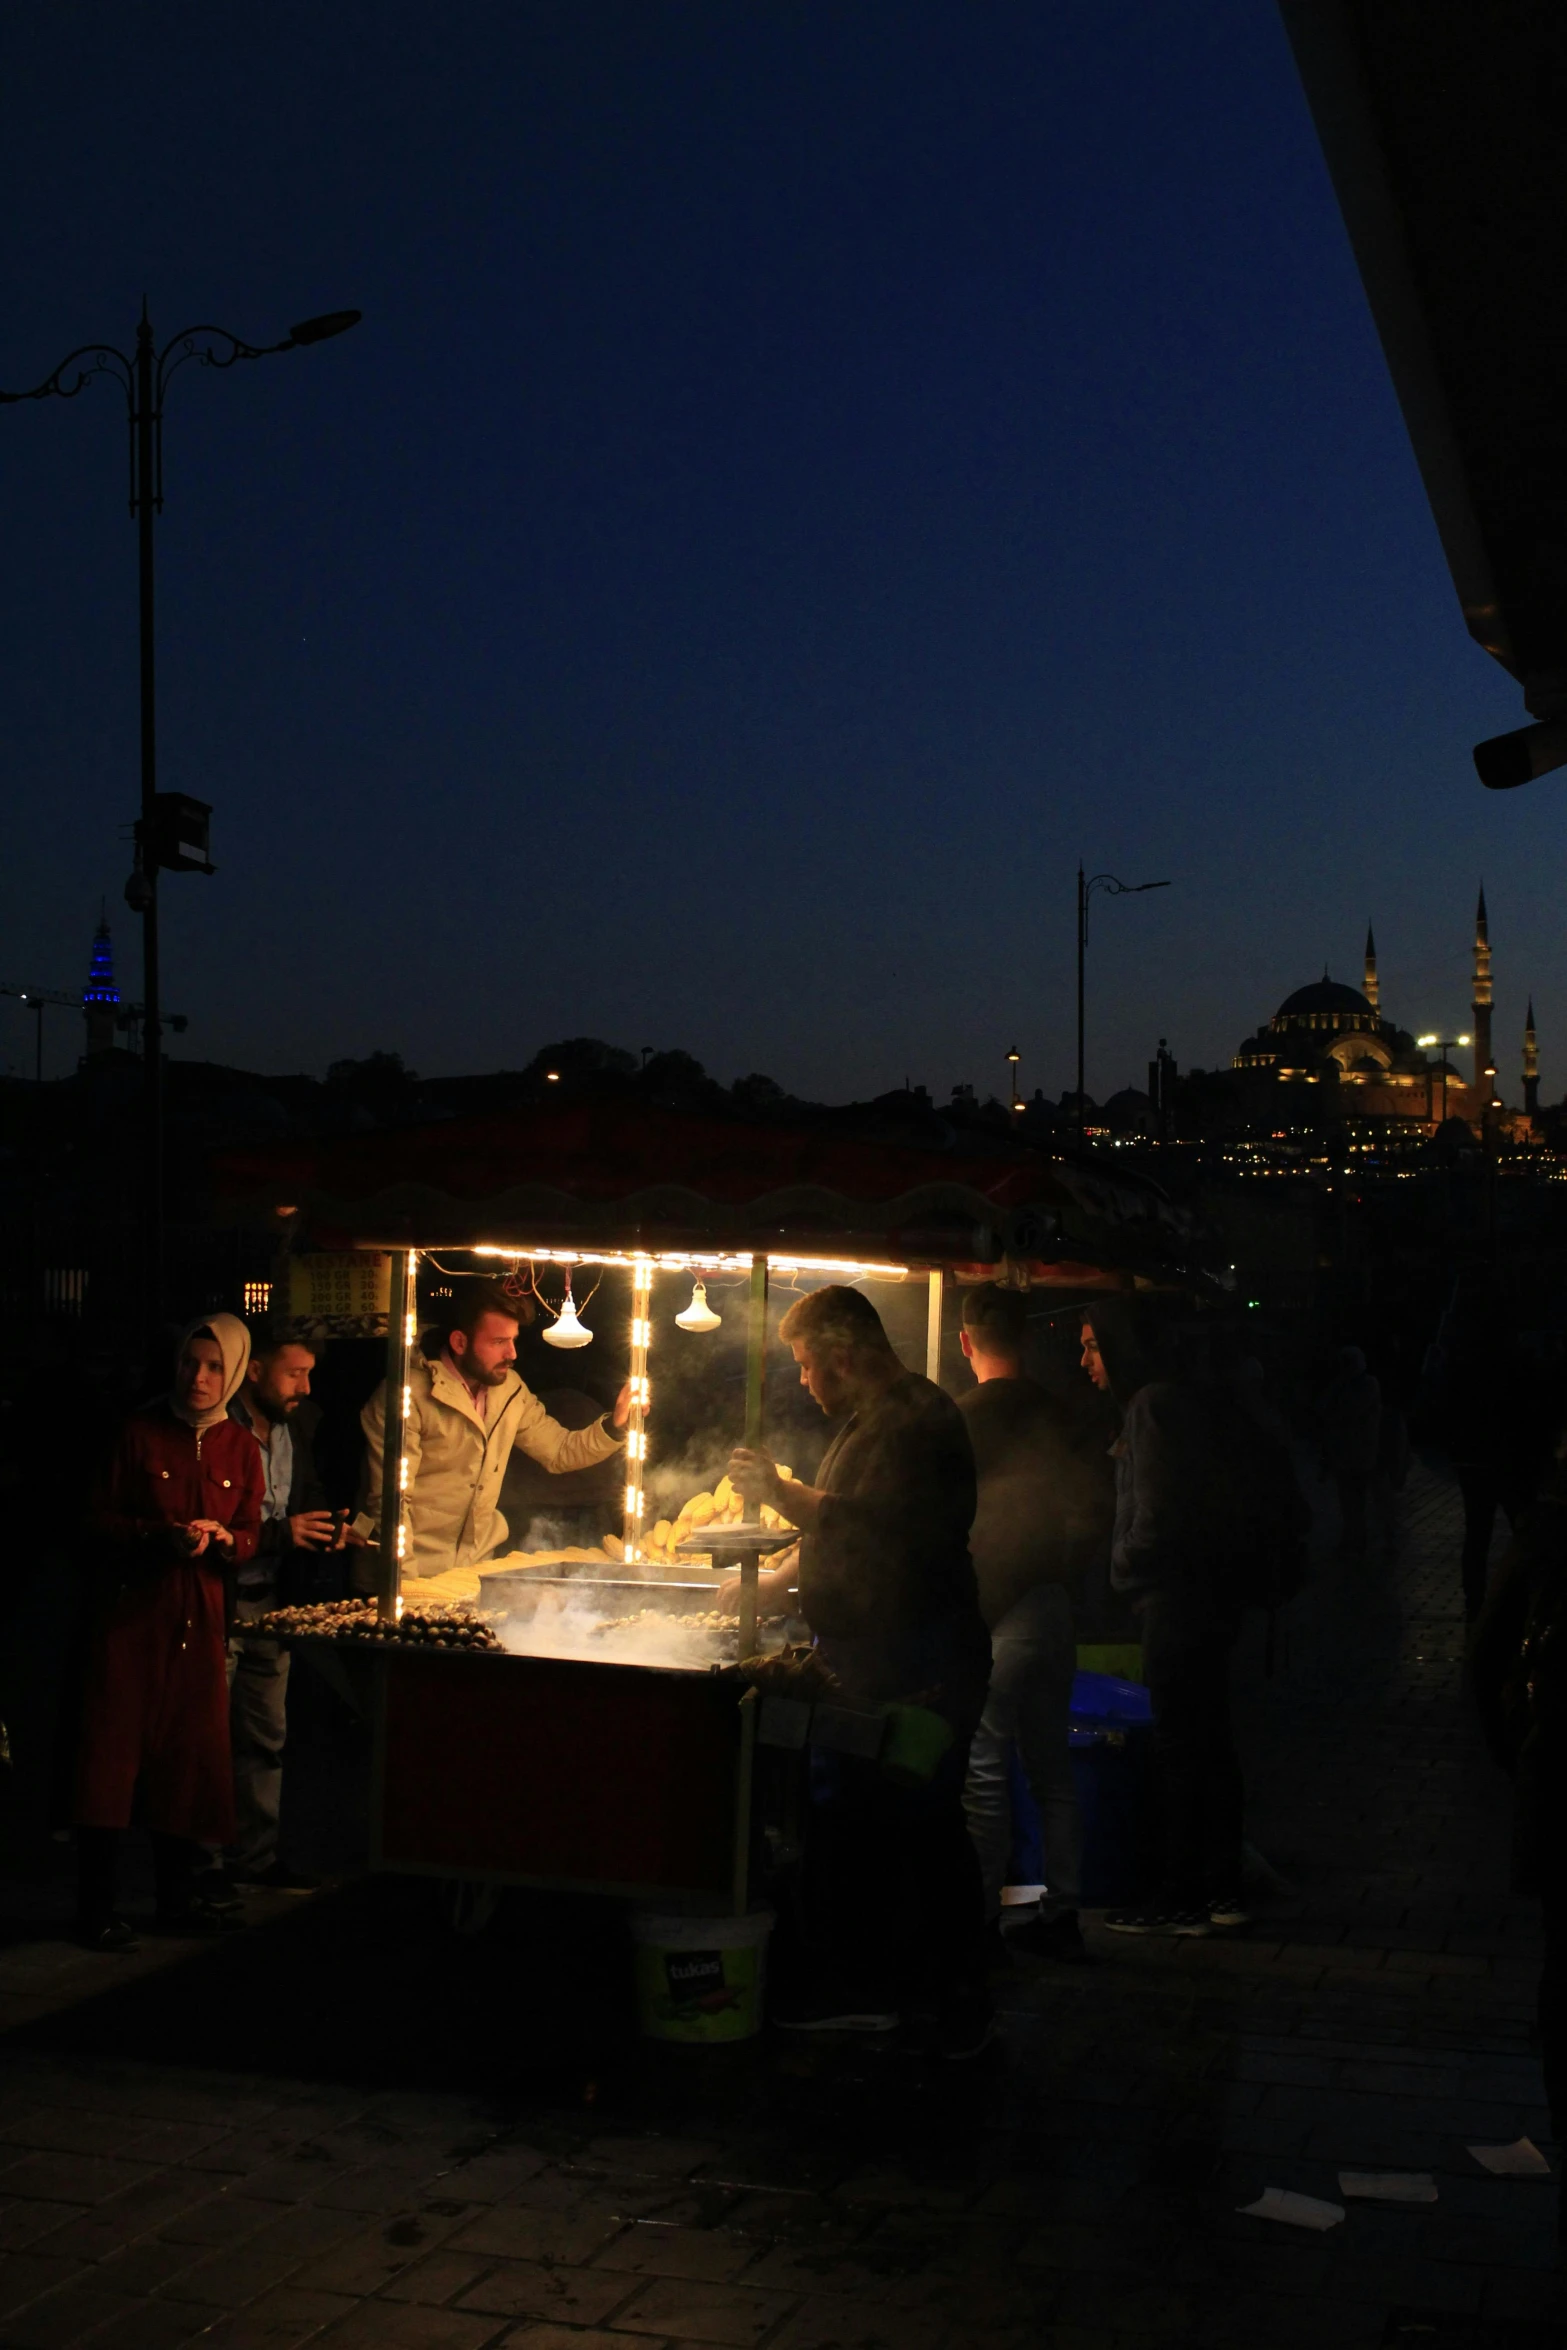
[(570, 1623)]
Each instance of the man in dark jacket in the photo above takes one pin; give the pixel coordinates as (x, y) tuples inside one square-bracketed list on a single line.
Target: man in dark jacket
[(1169, 1489), (1044, 1511), (893, 1913), (296, 1528), (1518, 1665)]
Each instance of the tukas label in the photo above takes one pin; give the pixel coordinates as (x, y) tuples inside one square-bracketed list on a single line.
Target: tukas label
[(693, 1974)]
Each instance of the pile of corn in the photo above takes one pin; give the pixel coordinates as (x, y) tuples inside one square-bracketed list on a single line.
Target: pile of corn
[(722, 1507)]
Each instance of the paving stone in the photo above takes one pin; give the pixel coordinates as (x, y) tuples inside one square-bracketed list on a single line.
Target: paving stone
[(536, 2288), (827, 2322), (648, 2249), (513, 2234), (277, 2321), (437, 2277), (73, 2178), (382, 2325), (699, 2312)]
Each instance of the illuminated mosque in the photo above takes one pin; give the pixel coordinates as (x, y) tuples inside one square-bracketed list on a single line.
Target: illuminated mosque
[(1332, 1034)]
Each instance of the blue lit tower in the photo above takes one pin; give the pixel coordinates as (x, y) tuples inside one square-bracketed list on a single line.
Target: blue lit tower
[(100, 997)]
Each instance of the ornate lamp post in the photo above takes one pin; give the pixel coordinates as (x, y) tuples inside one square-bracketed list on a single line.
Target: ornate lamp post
[(1085, 890), (1444, 1045), (171, 832)]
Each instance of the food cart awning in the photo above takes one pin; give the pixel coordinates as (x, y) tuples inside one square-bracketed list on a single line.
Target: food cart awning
[(625, 1175)]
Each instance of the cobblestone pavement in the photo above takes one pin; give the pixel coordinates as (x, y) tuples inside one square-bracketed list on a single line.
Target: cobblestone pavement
[(168, 2174)]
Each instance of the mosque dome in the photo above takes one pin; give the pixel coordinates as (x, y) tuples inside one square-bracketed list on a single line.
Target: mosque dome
[(1324, 996)]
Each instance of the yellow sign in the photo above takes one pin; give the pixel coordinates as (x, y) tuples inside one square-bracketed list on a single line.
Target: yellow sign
[(353, 1283)]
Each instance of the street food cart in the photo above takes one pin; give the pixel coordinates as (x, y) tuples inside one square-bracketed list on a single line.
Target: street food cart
[(562, 1770)]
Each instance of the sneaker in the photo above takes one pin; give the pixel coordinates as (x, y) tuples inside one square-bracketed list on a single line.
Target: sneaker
[(1229, 1910), (216, 1888), (110, 1935), (1159, 1921), (823, 2015), (276, 1877), (965, 2026), (200, 1916), (1060, 1938)]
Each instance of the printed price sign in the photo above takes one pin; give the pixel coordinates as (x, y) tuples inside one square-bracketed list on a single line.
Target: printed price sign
[(350, 1284)]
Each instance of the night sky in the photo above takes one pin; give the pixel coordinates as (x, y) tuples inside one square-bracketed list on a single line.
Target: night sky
[(807, 473)]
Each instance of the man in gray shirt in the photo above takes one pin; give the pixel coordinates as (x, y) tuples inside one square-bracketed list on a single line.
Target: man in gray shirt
[(294, 1519)]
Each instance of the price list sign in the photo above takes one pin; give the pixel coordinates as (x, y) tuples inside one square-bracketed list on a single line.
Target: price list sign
[(351, 1285)]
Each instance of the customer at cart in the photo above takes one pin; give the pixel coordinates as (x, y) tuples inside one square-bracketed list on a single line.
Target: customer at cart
[(467, 1409), (1045, 1510), (297, 1530), (892, 1914), (1169, 1502), (175, 1515)]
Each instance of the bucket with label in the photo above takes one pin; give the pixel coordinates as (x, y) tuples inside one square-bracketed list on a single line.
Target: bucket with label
[(700, 1979)]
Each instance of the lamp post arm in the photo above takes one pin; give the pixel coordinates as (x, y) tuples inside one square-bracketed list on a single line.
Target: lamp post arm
[(105, 360)]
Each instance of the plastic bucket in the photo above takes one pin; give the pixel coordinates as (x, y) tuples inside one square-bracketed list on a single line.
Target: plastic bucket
[(700, 1979)]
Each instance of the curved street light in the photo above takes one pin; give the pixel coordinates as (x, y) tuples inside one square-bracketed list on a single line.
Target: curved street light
[(171, 836), (1085, 892)]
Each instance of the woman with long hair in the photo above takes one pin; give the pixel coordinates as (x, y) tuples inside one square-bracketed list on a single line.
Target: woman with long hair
[(177, 1511)]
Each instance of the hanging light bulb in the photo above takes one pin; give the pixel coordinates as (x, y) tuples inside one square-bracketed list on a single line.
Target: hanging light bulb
[(566, 1330), (698, 1315)]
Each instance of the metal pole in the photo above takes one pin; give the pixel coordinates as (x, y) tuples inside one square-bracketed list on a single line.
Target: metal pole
[(146, 490), (933, 1329), (38, 1045), (755, 1386), (1082, 932), (399, 1333)]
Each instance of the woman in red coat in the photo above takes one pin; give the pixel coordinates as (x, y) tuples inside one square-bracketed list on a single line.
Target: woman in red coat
[(177, 1513)]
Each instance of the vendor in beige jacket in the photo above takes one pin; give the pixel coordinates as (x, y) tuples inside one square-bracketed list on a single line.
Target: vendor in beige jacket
[(468, 1407)]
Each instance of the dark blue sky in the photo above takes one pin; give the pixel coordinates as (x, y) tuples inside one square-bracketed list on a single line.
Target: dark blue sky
[(806, 475)]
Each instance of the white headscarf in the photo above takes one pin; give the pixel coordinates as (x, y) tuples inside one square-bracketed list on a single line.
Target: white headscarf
[(234, 1347)]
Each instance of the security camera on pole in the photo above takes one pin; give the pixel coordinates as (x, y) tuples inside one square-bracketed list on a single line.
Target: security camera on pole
[(171, 832)]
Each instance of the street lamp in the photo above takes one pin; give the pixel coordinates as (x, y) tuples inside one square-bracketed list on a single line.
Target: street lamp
[(1444, 1045), (1085, 890), (1014, 1099), (171, 832)]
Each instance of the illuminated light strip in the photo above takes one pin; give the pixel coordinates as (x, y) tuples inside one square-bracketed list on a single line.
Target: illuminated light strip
[(689, 1261), (639, 1393)]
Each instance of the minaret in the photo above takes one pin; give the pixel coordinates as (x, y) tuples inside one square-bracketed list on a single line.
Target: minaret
[(1531, 1067), (100, 997), (1370, 991), (1485, 1066)]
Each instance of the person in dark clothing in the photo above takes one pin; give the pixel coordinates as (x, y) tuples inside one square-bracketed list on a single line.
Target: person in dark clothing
[(1479, 1404), (297, 1529), (1167, 1483), (892, 1913), (1349, 1418), (1518, 1668), (1044, 1511)]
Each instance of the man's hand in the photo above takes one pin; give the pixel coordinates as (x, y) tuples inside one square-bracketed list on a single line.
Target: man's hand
[(774, 1583), (210, 1530), (311, 1529), (622, 1411), (755, 1474), (192, 1539)]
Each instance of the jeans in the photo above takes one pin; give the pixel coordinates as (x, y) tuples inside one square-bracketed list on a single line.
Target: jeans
[(1553, 1996), (1186, 1664), (1484, 1494), (175, 1861), (258, 1728), (1354, 1509), (1029, 1704)]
